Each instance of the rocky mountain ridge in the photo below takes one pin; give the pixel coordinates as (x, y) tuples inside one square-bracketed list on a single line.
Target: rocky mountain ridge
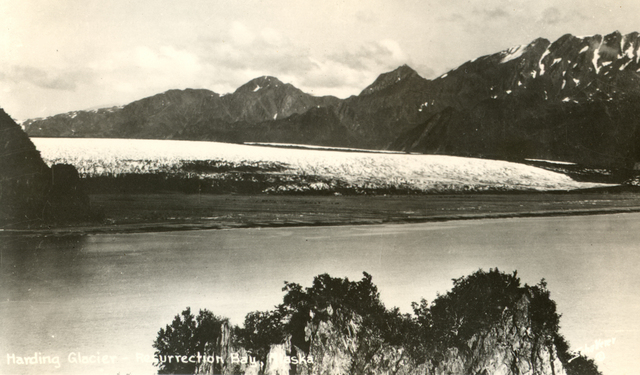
[(573, 99)]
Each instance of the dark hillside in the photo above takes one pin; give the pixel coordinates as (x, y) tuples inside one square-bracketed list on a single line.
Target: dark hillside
[(31, 193), (24, 177)]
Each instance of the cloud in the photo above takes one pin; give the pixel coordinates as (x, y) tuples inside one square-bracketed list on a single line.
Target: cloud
[(492, 14), (348, 72), (495, 13), (608, 51), (53, 80), (425, 71), (385, 53), (272, 36), (230, 61), (146, 69), (220, 62), (243, 49), (554, 16), (366, 17), (454, 17), (241, 35), (551, 16), (166, 58)]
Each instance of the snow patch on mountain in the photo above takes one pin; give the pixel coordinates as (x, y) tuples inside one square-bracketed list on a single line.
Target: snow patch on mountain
[(596, 57), (541, 66), (551, 161), (628, 52), (513, 53)]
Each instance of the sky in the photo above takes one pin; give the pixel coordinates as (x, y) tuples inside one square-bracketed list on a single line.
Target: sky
[(63, 55)]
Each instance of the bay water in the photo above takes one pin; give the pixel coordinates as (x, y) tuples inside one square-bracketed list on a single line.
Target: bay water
[(103, 297)]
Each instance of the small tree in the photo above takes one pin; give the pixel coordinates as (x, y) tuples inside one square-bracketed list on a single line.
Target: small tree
[(186, 336), (261, 330)]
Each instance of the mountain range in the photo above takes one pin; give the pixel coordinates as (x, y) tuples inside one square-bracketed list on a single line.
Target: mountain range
[(575, 99)]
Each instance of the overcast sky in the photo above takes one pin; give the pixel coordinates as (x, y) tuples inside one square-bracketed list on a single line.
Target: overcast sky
[(63, 55)]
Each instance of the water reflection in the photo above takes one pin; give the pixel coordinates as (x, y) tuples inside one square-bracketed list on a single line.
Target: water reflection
[(30, 267)]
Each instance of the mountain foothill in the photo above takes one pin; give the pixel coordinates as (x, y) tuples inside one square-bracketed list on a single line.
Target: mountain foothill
[(575, 100)]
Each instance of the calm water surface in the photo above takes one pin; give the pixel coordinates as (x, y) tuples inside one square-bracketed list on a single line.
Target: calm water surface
[(110, 294)]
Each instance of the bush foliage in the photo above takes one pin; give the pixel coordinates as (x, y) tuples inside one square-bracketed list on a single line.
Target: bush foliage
[(186, 335), (475, 304)]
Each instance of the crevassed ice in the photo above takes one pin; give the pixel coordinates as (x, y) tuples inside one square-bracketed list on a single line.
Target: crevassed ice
[(420, 172)]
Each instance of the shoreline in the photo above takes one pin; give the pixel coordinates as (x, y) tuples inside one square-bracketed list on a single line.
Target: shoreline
[(187, 224)]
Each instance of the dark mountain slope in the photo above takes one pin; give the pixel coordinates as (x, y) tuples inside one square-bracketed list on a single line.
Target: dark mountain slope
[(185, 114), (386, 108), (317, 126), (575, 100), (158, 116), (596, 134), (266, 98)]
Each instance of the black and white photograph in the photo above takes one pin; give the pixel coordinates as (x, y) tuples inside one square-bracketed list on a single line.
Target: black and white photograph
[(340, 187)]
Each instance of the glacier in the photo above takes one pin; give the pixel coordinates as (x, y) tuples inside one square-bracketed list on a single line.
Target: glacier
[(417, 172)]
